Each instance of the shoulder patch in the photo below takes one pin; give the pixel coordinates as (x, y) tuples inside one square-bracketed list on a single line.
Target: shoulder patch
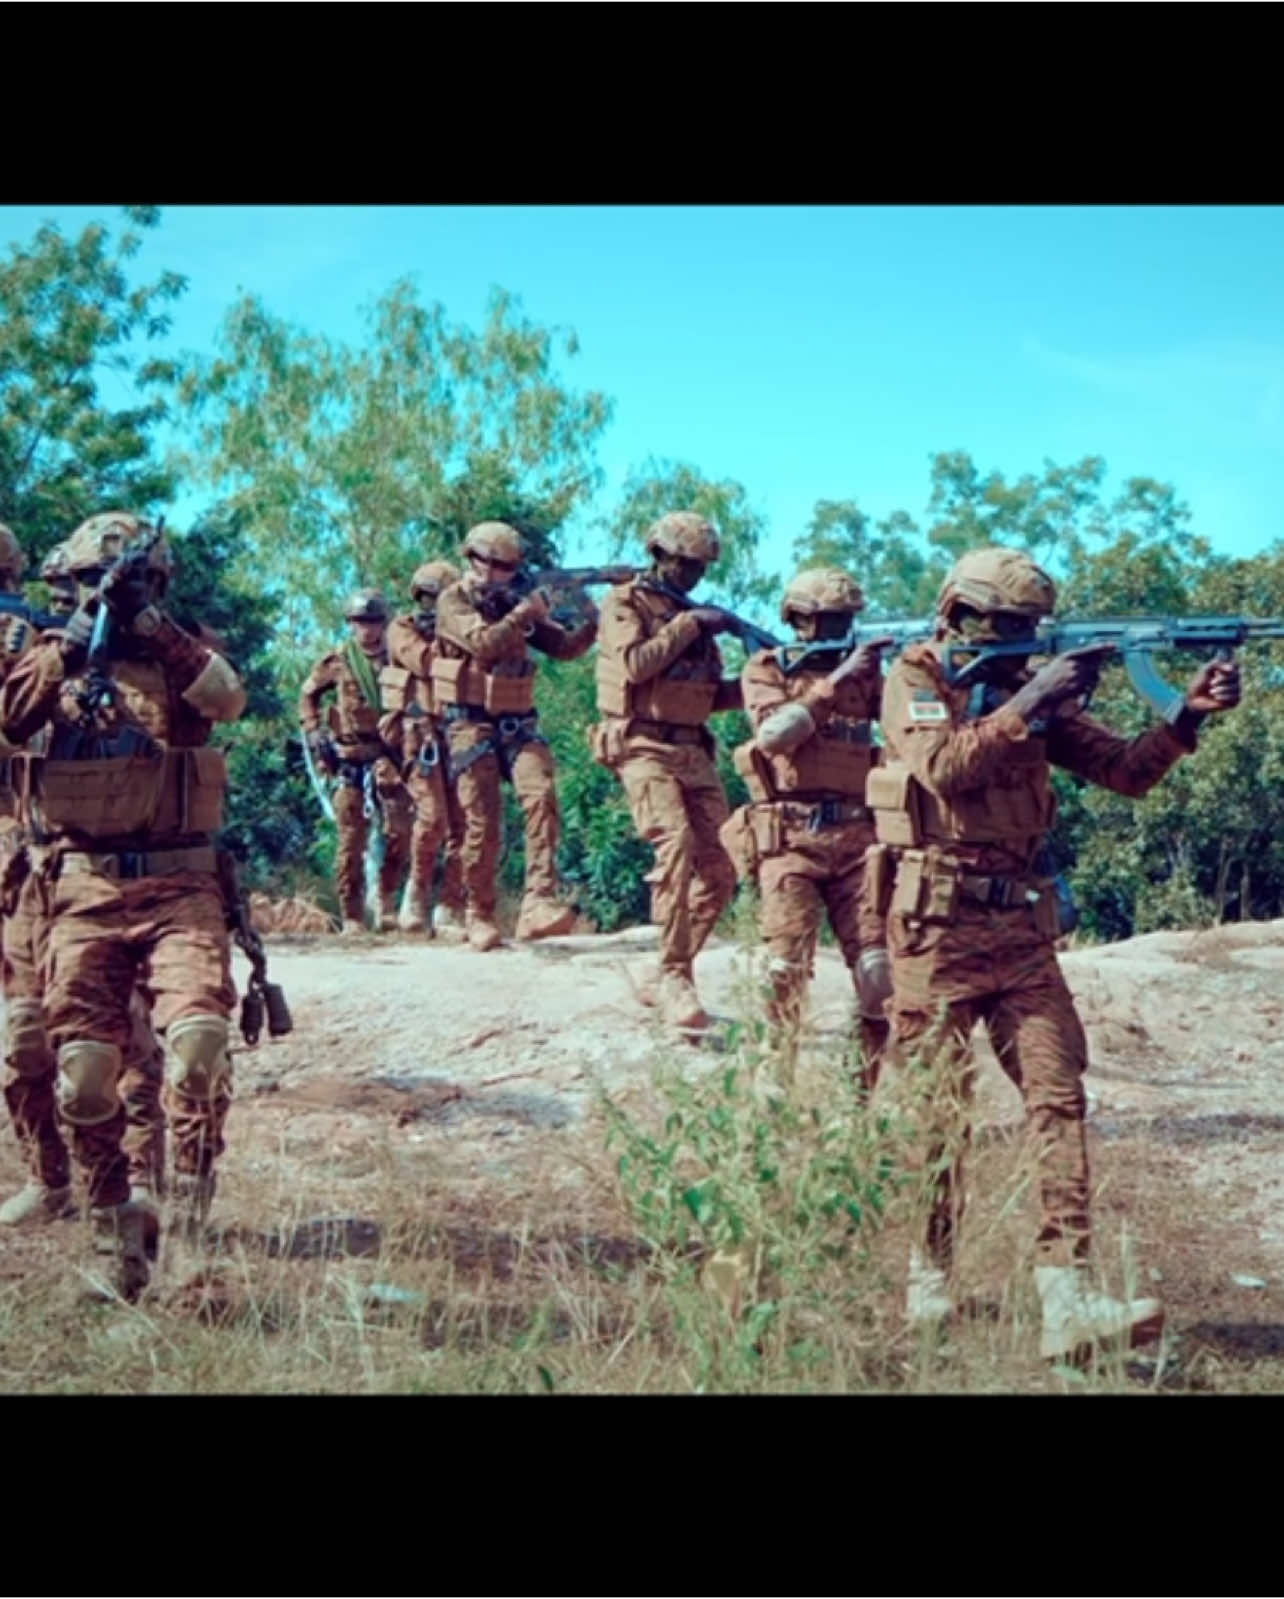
[(924, 708)]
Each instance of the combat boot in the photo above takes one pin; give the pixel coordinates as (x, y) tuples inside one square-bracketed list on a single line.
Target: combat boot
[(143, 1198), (387, 922), (542, 917), (1077, 1316), (37, 1202), (928, 1302), (413, 915), (352, 927), (118, 1235), (482, 932), (679, 1003), (447, 919)]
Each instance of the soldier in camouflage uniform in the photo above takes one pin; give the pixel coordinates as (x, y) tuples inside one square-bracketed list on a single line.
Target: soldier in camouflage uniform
[(412, 726), (483, 681), (963, 806), (659, 679), (805, 833), (30, 1068), (124, 793), (351, 750)]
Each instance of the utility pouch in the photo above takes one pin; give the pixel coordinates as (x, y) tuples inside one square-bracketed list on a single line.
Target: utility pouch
[(891, 792), (448, 673), (925, 889), (99, 798), (506, 696), (880, 877), (764, 824), (737, 838), (394, 688), (754, 767)]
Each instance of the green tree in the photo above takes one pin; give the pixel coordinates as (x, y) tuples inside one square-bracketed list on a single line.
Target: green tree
[(898, 577), (354, 465), (69, 317)]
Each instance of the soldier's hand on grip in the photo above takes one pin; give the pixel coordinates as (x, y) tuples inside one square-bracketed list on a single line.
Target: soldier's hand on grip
[(864, 658), (16, 637), (76, 634), (534, 608), (712, 618), (1066, 679), (1214, 687), (126, 593)]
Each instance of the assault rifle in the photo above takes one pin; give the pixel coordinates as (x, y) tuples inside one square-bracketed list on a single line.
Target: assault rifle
[(901, 631), (131, 562), (15, 605), (1135, 638), (574, 579)]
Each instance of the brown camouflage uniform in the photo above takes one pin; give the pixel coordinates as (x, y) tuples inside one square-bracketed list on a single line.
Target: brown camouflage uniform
[(806, 831), (413, 727), (30, 1070), (483, 680), (125, 898), (965, 803), (364, 763), (659, 678)]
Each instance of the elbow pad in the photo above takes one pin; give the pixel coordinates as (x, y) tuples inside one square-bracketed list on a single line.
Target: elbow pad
[(216, 693), (785, 729)]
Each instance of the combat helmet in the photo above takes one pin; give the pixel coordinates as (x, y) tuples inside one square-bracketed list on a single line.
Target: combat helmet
[(685, 533), (101, 538), (821, 588), (54, 567), (431, 578), (366, 605), (495, 541), (12, 558), (997, 580)]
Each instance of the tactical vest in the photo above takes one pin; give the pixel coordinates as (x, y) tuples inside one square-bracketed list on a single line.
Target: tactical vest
[(400, 690), (162, 792), (835, 759), (1014, 805), (683, 694), (506, 689)]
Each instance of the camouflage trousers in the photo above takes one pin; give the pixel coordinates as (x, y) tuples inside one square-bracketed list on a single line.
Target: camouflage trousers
[(678, 807), (993, 967), (435, 825), (480, 799), (812, 874), (353, 827), (104, 937), (30, 1069)]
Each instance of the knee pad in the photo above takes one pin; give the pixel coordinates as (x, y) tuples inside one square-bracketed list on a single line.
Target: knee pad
[(873, 983), (199, 1066), (88, 1073), (26, 1045)]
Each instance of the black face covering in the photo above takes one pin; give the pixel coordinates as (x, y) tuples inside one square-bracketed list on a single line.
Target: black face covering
[(833, 625)]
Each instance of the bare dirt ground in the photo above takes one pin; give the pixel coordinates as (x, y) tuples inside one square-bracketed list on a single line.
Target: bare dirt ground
[(425, 1065)]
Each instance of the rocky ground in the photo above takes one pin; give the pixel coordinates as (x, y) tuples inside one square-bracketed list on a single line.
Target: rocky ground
[(419, 1057)]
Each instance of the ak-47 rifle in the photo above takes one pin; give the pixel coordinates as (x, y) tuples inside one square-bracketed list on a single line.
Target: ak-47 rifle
[(902, 632), (261, 996), (132, 560), (1135, 638), (574, 579), (15, 605)]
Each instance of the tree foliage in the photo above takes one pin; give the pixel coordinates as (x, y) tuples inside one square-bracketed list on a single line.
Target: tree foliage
[(73, 334), (355, 464)]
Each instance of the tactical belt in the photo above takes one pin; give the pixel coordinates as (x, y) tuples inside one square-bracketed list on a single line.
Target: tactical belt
[(841, 732), (360, 753), (999, 893), (508, 734), (824, 813), (130, 863), (668, 732)]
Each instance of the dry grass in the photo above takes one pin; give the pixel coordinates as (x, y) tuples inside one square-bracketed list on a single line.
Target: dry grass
[(299, 914)]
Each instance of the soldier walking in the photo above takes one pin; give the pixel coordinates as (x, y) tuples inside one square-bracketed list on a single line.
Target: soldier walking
[(805, 833), (413, 727), (659, 679), (350, 749), (963, 806), (484, 682)]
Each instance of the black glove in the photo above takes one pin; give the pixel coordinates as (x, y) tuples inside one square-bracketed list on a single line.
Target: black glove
[(76, 634), (125, 593)]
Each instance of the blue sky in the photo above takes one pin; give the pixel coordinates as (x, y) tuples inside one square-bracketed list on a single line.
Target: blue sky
[(826, 352)]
